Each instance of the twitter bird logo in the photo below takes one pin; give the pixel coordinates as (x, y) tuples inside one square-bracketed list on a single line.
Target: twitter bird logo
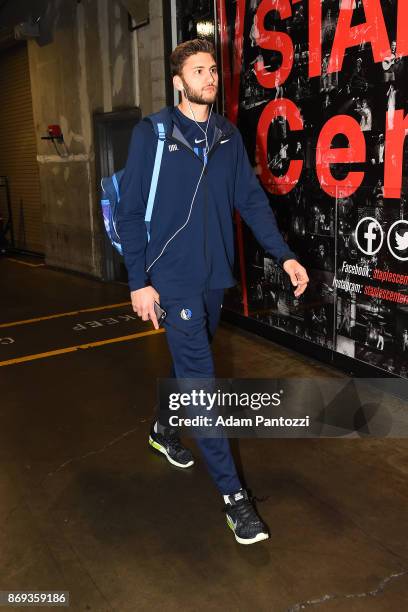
[(397, 239), (402, 241)]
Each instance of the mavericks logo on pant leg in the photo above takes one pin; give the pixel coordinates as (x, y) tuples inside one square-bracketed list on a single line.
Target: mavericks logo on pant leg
[(186, 314)]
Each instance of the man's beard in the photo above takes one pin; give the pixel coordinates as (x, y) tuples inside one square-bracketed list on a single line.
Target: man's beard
[(196, 98)]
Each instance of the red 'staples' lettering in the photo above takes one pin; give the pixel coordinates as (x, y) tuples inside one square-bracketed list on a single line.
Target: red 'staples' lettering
[(325, 155), (278, 108), (275, 41), (394, 153), (373, 31)]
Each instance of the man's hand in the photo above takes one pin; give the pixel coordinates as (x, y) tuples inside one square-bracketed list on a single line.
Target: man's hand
[(297, 274), (143, 303)]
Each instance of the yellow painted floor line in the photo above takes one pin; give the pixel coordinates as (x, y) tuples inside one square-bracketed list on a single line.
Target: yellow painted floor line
[(71, 349), (63, 314), (25, 263)]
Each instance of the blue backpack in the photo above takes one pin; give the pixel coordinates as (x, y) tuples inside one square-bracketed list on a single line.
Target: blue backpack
[(111, 193)]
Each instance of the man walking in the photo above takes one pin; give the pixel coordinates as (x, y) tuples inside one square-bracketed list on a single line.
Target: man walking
[(187, 264)]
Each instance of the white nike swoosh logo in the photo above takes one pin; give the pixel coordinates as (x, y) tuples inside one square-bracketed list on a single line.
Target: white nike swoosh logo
[(197, 141), (223, 141)]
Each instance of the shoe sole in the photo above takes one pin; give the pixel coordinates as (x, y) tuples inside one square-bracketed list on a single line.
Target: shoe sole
[(163, 451), (258, 538)]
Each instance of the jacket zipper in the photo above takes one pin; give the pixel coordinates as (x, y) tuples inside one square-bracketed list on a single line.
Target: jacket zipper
[(211, 151), (184, 147)]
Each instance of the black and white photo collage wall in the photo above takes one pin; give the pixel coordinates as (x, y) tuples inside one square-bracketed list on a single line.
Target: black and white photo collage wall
[(318, 89)]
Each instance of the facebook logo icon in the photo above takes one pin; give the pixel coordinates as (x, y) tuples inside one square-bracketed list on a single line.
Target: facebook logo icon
[(369, 235)]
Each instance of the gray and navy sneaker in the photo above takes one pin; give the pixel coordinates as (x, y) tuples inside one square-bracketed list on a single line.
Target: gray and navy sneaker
[(243, 519), (169, 444)]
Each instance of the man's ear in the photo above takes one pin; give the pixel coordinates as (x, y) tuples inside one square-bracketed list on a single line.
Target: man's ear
[(178, 83)]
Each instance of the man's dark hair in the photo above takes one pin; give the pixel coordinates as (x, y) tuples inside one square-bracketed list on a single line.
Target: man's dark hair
[(185, 49)]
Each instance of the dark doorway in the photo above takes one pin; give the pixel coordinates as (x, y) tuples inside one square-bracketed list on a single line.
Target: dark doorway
[(112, 137)]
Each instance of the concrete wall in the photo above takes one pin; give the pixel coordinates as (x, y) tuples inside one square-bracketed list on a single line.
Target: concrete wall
[(94, 64)]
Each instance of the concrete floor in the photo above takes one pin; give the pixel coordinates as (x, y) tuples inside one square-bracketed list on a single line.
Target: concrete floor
[(87, 508)]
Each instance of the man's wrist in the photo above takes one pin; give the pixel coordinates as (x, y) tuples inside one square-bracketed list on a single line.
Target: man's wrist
[(136, 285), (282, 260)]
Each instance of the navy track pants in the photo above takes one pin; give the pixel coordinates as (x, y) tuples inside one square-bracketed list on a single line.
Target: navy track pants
[(190, 325)]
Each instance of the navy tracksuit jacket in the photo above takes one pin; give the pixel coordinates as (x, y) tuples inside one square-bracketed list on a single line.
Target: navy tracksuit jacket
[(192, 270), (202, 254)]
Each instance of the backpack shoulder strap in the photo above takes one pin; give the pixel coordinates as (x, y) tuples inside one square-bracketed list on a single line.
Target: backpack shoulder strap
[(162, 117), (159, 129)]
